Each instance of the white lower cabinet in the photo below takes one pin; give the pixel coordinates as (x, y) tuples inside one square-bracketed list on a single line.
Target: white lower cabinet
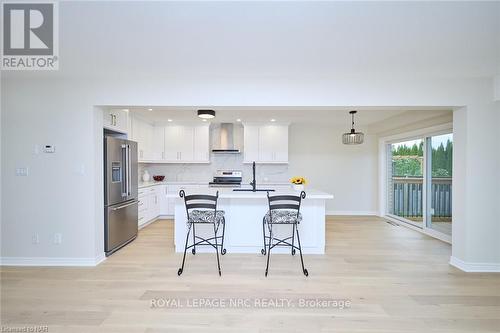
[(153, 202), (162, 194)]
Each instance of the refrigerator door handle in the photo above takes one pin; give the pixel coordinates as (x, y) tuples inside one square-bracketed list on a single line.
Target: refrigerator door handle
[(123, 206), (124, 171), (129, 171)]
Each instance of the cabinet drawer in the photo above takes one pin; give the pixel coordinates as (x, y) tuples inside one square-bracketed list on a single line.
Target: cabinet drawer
[(143, 204)]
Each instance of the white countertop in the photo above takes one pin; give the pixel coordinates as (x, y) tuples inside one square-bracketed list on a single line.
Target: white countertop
[(200, 183), (228, 193), (172, 183)]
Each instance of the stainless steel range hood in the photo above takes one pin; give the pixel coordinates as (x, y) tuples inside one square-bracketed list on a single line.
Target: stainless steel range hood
[(225, 140)]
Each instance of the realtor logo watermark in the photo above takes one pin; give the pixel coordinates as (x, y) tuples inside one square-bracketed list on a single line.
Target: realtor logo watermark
[(30, 36)]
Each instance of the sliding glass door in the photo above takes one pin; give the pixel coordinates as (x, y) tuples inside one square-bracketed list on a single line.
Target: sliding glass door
[(406, 168), (439, 182), (419, 182)]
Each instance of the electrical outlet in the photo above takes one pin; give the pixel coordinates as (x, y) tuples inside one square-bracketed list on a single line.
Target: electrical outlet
[(57, 238), (35, 239)]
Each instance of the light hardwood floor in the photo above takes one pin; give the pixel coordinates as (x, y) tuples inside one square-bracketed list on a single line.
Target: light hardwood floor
[(396, 279)]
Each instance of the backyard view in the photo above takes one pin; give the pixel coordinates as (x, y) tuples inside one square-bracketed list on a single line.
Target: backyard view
[(407, 179)]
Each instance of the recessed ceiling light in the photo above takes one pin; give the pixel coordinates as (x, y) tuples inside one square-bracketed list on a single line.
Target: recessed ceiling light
[(169, 120), (206, 114), (273, 120), (150, 109), (238, 120)]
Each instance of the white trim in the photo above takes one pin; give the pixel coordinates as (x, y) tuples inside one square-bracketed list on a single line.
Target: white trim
[(354, 213), (100, 258), (49, 261), (483, 267), (428, 232)]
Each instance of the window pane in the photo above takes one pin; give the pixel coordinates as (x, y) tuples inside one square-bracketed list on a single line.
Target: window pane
[(406, 180), (440, 191)]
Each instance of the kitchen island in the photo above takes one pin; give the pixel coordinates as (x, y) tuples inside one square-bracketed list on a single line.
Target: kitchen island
[(244, 212)]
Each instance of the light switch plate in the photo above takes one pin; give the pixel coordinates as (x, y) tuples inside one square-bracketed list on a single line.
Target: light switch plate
[(22, 172)]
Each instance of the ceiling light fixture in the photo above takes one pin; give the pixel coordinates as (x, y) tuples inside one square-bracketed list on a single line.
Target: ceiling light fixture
[(238, 120), (273, 120), (203, 120), (206, 114), (353, 137), (169, 120), (150, 109)]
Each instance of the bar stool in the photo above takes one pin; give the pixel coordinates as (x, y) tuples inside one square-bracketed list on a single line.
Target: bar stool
[(202, 209), (283, 209)]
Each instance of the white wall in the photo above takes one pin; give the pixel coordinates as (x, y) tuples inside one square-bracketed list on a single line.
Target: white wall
[(476, 195), (58, 195), (348, 172)]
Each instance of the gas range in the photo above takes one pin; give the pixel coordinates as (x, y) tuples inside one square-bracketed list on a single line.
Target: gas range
[(227, 178)]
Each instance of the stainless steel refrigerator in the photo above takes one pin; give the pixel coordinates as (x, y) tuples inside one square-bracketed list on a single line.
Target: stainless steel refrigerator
[(120, 193)]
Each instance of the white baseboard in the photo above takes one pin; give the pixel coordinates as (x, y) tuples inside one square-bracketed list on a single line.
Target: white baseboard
[(49, 261), (354, 213), (475, 266)]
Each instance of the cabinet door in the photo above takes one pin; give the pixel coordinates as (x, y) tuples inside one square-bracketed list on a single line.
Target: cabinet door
[(201, 144), (266, 143), (108, 118), (187, 144), (273, 143), (117, 120), (147, 136), (142, 132), (162, 193), (121, 120), (136, 136), (280, 144), (158, 143), (172, 189), (250, 143), (171, 143)]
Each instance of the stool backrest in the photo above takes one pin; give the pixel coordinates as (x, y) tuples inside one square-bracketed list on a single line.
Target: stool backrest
[(199, 201), (286, 202)]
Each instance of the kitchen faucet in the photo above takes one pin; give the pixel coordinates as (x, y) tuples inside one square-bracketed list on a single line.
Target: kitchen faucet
[(254, 185), (253, 182)]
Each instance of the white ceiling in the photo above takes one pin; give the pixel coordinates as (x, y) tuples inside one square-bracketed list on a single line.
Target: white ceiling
[(277, 39), (333, 116)]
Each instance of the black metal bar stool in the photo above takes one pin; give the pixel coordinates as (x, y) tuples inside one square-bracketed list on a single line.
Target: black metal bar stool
[(202, 209), (283, 209)]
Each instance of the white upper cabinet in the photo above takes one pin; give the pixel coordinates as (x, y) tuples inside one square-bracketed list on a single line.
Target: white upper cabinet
[(250, 143), (142, 132), (158, 143), (116, 120), (172, 143), (266, 143), (201, 144)]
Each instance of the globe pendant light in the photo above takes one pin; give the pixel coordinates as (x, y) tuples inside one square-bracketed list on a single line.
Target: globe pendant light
[(353, 137)]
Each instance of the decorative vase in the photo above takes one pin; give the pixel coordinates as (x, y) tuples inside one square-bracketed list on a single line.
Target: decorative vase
[(298, 187), (145, 176)]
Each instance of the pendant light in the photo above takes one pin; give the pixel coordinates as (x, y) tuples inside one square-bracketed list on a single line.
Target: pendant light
[(206, 114), (353, 137)]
